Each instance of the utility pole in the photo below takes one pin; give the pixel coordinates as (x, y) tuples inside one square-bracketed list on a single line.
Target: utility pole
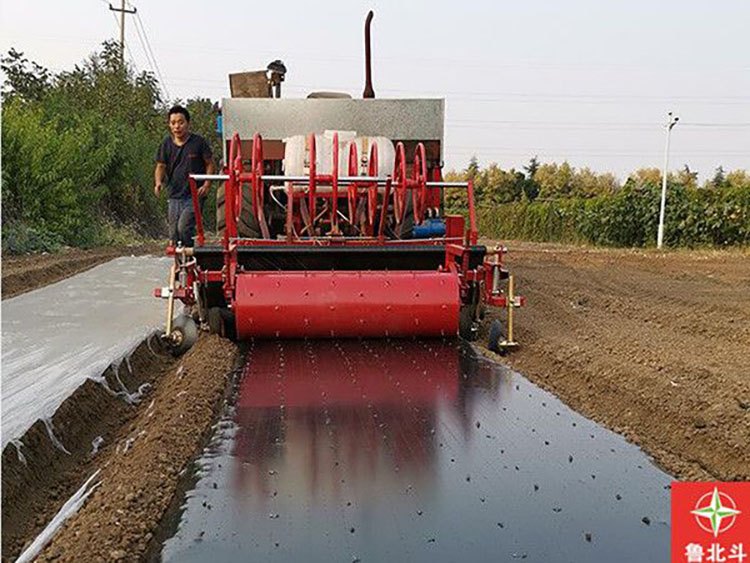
[(671, 122), (122, 11)]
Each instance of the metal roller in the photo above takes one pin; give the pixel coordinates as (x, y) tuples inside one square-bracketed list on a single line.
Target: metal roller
[(346, 304)]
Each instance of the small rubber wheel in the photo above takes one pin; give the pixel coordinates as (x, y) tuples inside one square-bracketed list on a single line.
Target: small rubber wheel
[(466, 328), (497, 333), (184, 334), (216, 321)]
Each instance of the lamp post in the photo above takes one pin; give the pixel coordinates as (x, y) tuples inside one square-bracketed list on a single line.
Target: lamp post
[(671, 122)]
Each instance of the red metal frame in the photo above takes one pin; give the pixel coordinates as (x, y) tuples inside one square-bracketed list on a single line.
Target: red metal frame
[(255, 297)]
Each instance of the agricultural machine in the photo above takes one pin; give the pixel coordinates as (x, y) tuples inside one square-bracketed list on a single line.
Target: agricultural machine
[(337, 233)]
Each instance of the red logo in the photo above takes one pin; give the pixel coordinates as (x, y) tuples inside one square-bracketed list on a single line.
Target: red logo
[(710, 522)]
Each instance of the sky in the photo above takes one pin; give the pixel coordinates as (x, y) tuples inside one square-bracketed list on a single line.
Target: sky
[(585, 81)]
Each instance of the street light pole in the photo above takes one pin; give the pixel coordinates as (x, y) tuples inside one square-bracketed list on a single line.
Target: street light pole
[(671, 122)]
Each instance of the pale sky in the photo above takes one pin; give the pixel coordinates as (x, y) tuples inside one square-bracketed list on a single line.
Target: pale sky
[(583, 80)]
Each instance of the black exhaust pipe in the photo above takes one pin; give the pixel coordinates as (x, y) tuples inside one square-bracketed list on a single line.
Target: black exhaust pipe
[(369, 92)]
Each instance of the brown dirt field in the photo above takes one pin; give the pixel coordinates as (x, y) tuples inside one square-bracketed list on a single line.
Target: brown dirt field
[(139, 481), (24, 273), (654, 345), (35, 486)]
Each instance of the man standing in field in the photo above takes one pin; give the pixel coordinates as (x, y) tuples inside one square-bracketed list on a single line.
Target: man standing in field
[(182, 153)]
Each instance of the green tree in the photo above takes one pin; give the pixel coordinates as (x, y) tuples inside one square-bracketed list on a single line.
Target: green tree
[(78, 150), (719, 180), (555, 180), (472, 171), (23, 79), (530, 185), (686, 177), (738, 179)]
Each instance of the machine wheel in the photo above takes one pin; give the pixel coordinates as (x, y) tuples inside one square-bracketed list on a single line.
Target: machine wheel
[(497, 334), (466, 328), (216, 321), (184, 334), (230, 327), (247, 226)]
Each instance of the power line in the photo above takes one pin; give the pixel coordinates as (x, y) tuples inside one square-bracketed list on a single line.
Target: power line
[(151, 62), (583, 126), (517, 97), (139, 22)]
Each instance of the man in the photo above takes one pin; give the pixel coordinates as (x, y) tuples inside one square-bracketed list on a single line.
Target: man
[(182, 153)]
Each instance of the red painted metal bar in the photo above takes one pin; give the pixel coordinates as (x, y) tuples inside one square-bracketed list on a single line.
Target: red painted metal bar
[(335, 185), (384, 211), (353, 241), (472, 234), (311, 186), (197, 210), (231, 189)]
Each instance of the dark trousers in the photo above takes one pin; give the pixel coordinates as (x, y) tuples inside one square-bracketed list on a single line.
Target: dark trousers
[(181, 219)]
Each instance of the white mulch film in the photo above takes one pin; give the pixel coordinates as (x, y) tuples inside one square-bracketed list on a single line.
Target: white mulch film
[(68, 509), (55, 337)]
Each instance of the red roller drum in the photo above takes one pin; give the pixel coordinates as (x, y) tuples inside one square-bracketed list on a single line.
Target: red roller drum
[(292, 304)]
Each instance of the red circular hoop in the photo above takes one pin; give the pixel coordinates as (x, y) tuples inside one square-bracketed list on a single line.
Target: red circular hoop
[(419, 175), (399, 181), (256, 175), (372, 190), (235, 169), (353, 190), (311, 188), (335, 183)]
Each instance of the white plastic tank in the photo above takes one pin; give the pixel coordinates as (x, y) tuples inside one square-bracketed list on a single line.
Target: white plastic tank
[(386, 154), (297, 153)]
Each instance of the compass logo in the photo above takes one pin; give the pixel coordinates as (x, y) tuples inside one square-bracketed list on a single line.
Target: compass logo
[(715, 512), (710, 522)]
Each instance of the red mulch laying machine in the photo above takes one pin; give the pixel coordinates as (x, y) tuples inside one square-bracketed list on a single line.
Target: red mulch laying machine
[(337, 234)]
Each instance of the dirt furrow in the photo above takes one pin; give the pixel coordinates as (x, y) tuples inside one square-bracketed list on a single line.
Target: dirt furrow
[(653, 345)]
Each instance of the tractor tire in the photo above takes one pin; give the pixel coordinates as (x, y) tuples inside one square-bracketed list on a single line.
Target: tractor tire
[(247, 226), (216, 321), (229, 323)]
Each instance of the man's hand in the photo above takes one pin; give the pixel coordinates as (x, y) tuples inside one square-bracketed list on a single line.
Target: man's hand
[(203, 190), (157, 189)]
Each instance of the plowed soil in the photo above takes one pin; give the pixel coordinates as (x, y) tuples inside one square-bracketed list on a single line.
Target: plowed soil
[(24, 273), (142, 466), (654, 345)]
